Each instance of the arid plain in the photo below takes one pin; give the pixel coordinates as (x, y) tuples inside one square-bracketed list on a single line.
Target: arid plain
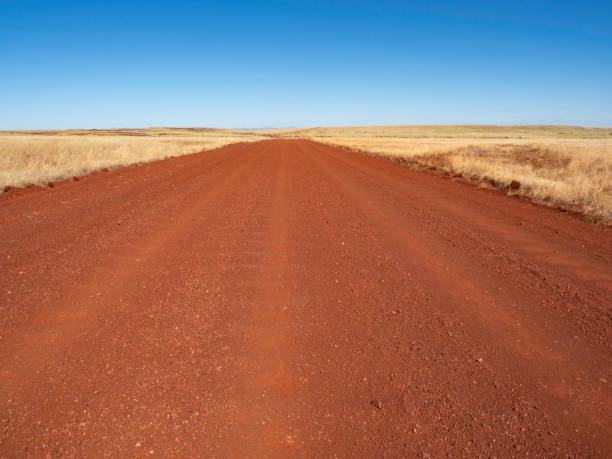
[(565, 166)]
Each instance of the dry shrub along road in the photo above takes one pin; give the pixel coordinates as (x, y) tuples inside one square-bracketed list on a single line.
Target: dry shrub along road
[(564, 166), (285, 297), (35, 158)]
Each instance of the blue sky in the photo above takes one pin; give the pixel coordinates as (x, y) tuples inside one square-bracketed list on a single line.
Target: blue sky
[(90, 64)]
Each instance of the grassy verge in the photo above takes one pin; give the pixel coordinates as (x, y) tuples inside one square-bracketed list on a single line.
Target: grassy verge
[(38, 157), (563, 166)]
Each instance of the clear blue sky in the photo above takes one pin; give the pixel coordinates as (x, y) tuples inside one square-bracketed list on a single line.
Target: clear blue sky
[(276, 63)]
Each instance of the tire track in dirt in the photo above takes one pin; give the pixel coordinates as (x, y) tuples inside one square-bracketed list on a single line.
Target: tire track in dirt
[(139, 184), (509, 253), (264, 397), (25, 349), (539, 357), (542, 249), (113, 219)]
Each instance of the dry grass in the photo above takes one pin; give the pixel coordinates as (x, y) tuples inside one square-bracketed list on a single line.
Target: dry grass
[(571, 166), (566, 166), (149, 132), (37, 157), (455, 132)]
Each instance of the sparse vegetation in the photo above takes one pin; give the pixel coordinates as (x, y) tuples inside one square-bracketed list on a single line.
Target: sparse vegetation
[(38, 157), (457, 132), (566, 166), (558, 165)]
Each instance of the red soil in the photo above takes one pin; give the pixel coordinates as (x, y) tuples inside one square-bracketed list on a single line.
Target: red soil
[(286, 297)]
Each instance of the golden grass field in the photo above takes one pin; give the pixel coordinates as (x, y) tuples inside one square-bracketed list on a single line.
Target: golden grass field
[(557, 165), (456, 132), (38, 157)]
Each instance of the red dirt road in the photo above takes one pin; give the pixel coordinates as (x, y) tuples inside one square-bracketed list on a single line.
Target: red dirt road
[(287, 298)]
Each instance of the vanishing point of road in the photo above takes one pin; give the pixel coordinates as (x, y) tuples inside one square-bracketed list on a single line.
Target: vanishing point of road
[(286, 298)]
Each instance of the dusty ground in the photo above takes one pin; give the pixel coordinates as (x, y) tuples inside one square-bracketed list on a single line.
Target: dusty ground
[(287, 298)]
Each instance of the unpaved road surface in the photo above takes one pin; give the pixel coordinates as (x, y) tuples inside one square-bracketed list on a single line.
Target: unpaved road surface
[(287, 298)]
